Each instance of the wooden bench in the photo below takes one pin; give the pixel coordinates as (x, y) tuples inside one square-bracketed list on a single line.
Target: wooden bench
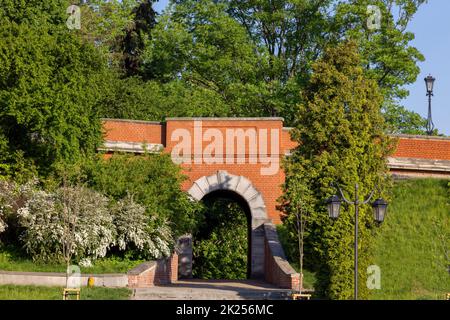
[(298, 296), (67, 293)]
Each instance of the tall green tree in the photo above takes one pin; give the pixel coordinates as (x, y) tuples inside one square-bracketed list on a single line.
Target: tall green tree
[(120, 28), (144, 20), (287, 37), (342, 139), (51, 85), (380, 29), (198, 43)]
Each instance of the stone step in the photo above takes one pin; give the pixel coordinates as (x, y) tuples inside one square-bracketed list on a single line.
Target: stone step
[(179, 294)]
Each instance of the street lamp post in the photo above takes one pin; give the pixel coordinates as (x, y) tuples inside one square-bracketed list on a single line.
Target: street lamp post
[(379, 210), (429, 82)]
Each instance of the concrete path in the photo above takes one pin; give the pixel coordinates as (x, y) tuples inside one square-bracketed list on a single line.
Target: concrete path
[(213, 290)]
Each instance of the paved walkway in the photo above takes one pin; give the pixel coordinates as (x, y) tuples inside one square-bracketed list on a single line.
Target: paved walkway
[(213, 290)]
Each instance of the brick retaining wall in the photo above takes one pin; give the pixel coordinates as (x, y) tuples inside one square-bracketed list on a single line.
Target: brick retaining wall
[(278, 271)]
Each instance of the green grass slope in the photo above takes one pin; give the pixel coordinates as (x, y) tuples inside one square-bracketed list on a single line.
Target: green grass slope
[(410, 249)]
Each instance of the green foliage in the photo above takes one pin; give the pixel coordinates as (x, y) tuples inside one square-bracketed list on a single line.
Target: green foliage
[(202, 58), (210, 52), (341, 131), (133, 98), (412, 246), (34, 12), (386, 51), (221, 245), (50, 90), (120, 29), (259, 70), (387, 54), (153, 180), (400, 120), (13, 258)]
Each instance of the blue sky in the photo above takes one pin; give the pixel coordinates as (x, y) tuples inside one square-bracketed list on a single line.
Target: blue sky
[(431, 26)]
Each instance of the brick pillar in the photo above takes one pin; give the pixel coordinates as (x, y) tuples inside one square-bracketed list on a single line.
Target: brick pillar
[(174, 267)]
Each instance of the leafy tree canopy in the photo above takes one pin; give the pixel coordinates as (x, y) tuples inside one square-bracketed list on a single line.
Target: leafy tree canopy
[(342, 139), (50, 89)]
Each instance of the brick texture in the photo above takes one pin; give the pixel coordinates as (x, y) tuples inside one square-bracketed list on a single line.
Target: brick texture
[(423, 148), (413, 147), (268, 185), (149, 274)]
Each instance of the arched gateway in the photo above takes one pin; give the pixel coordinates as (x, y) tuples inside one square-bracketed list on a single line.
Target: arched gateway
[(241, 157), (241, 186)]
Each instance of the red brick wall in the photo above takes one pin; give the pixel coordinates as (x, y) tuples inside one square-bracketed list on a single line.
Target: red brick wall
[(164, 271), (277, 269), (268, 185), (133, 131), (423, 148)]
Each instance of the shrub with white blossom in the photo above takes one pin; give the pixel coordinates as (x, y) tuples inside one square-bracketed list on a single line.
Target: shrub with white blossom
[(70, 222), (136, 230), (5, 205), (12, 197)]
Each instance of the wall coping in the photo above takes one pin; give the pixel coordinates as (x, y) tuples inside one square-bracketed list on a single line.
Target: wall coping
[(225, 119), (143, 267), (404, 136), (418, 164), (131, 121), (420, 137), (134, 147), (277, 250)]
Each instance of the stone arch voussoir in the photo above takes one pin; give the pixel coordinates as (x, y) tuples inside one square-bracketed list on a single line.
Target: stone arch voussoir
[(222, 180)]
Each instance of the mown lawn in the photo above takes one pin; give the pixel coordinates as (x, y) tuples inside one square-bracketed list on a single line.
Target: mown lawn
[(13, 260), (11, 292), (410, 246)]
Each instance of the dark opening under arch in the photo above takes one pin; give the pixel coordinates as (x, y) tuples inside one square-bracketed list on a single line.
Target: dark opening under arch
[(219, 198), (241, 189)]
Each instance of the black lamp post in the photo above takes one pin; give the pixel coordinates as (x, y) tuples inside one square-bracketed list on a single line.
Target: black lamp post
[(379, 209), (429, 82)]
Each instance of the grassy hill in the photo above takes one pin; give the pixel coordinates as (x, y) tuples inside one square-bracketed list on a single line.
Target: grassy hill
[(411, 245)]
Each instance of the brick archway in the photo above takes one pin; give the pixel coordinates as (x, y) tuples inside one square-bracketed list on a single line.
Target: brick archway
[(243, 187), (241, 157)]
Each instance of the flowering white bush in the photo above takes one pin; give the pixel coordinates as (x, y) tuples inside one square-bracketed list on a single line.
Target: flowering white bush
[(70, 222), (137, 230), (5, 206), (12, 197)]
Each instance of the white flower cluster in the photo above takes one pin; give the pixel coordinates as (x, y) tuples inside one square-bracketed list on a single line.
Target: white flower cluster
[(80, 223), (72, 221), (6, 193), (136, 229), (12, 196)]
